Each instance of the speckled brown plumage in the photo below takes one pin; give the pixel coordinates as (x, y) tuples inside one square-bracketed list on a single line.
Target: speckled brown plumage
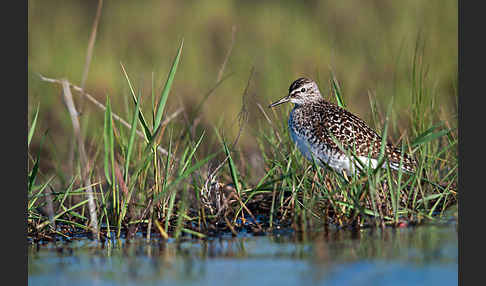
[(313, 119)]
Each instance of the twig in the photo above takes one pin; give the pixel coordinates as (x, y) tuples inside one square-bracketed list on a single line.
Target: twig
[(228, 223), (248, 210), (161, 230), (210, 92), (87, 63), (243, 114), (270, 122), (242, 118), (103, 107), (220, 78), (68, 99), (223, 66), (92, 38)]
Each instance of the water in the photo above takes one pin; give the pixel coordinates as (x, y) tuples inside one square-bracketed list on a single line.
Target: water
[(425, 255)]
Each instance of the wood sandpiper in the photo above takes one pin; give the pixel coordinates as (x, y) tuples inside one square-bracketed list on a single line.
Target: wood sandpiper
[(313, 119)]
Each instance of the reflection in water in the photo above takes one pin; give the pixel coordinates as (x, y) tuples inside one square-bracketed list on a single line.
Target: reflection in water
[(398, 256)]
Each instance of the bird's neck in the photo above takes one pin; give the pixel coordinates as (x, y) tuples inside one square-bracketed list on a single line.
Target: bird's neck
[(314, 101)]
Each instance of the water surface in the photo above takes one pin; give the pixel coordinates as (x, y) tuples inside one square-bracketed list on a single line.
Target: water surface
[(425, 255)]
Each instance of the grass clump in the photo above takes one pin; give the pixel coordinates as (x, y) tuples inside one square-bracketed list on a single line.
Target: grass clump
[(167, 184)]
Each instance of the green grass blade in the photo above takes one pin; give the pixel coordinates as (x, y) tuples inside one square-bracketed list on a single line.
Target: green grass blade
[(167, 163), (165, 91), (146, 130), (33, 174), (133, 130), (34, 199), (32, 126), (139, 167), (67, 194), (35, 169), (193, 232), (232, 168), (108, 139), (45, 223), (193, 168), (188, 160), (337, 91), (382, 157), (428, 136), (186, 174), (169, 210)]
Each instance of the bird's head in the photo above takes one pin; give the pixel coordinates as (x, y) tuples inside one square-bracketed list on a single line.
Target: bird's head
[(301, 91)]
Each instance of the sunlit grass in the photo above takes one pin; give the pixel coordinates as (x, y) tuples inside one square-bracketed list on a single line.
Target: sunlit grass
[(171, 194), (159, 176)]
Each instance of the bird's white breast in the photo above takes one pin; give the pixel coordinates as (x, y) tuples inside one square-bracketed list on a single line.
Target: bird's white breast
[(322, 154)]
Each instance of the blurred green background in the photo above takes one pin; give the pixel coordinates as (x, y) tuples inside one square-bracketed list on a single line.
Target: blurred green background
[(369, 45)]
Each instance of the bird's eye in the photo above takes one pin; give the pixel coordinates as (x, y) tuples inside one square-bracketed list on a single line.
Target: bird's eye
[(302, 89)]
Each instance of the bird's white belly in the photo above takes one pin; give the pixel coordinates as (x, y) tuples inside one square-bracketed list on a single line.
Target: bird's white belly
[(321, 155)]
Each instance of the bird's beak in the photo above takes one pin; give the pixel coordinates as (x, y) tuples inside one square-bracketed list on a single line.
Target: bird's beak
[(280, 101)]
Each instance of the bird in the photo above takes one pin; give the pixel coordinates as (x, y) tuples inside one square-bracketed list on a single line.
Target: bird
[(328, 134)]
